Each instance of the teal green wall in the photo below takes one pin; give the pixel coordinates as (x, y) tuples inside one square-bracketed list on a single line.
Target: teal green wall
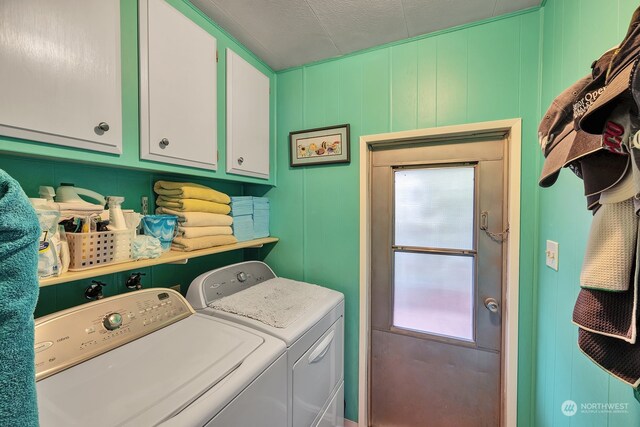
[(501, 68), (576, 32), (479, 73), (130, 157)]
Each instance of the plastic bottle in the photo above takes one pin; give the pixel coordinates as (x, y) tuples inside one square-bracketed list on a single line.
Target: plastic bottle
[(116, 217)]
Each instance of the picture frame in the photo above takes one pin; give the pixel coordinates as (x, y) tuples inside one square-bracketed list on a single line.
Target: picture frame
[(320, 146)]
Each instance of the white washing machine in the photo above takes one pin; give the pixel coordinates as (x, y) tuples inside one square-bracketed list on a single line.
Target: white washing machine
[(308, 318), (146, 358)]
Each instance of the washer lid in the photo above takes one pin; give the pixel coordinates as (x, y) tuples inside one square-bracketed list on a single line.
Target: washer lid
[(148, 380)]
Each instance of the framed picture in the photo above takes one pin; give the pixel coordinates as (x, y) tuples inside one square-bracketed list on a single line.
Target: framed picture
[(319, 146)]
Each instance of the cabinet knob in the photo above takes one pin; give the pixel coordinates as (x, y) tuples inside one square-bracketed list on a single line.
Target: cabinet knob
[(240, 160), (164, 142), (103, 126)]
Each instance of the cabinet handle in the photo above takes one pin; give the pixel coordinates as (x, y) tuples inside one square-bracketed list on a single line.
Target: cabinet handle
[(240, 160), (164, 142), (103, 126)]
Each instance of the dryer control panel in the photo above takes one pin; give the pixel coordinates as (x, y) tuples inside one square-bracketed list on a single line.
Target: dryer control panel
[(225, 281), (69, 337)]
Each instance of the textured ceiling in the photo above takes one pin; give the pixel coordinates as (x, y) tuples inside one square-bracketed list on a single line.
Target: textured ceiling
[(287, 33)]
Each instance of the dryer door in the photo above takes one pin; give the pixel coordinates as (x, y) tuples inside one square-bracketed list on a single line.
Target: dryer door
[(317, 374)]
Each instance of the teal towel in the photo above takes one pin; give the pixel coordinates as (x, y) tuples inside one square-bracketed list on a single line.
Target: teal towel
[(19, 236)]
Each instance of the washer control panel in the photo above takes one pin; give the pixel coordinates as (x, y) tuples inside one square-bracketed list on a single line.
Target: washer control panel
[(228, 280), (72, 336)]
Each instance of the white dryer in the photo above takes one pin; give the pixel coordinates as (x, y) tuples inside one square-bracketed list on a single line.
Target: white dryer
[(308, 318), (146, 358)]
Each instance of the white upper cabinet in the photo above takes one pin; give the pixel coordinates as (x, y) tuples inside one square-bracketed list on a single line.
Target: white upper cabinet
[(247, 118), (178, 114), (60, 72)]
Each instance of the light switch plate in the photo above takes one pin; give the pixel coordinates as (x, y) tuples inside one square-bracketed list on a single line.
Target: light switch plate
[(552, 254)]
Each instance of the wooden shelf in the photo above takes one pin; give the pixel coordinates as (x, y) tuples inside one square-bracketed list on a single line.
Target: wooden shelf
[(166, 258)]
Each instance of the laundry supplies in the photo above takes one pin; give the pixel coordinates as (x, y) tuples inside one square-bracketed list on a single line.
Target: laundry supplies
[(260, 217), (19, 236), (201, 214)]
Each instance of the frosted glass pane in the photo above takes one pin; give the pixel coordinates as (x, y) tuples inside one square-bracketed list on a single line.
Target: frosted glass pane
[(434, 207), (434, 294)]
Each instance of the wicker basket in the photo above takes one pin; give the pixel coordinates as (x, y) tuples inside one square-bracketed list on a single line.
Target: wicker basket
[(91, 250)]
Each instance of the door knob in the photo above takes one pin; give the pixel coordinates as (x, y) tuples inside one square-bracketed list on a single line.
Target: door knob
[(103, 126), (492, 305), (164, 142), (240, 160)]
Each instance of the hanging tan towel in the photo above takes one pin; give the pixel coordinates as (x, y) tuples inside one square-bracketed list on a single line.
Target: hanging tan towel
[(184, 244), (192, 205), (189, 190), (198, 219), (611, 248), (191, 232)]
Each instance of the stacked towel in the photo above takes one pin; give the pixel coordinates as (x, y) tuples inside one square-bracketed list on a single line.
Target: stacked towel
[(78, 209), (241, 205), (197, 219), (19, 236), (191, 232), (201, 211), (242, 213), (192, 205), (186, 244), (189, 190), (243, 227), (260, 217)]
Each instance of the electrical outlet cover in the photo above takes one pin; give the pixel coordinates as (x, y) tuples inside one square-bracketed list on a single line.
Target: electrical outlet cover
[(552, 254)]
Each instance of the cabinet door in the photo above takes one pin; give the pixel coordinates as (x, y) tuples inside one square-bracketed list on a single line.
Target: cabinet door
[(178, 123), (60, 72), (247, 118)]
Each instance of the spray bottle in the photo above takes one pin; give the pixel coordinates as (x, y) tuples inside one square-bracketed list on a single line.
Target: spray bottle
[(116, 217)]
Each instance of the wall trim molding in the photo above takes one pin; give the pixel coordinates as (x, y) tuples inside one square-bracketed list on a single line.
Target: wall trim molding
[(513, 130)]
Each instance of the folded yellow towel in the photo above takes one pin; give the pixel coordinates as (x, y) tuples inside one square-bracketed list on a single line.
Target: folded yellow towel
[(189, 190), (191, 232), (197, 219), (184, 244), (192, 205)]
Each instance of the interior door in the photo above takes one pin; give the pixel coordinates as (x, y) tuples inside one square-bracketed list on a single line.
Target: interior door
[(436, 292)]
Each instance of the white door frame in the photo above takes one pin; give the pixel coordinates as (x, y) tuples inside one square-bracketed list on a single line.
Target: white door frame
[(513, 130)]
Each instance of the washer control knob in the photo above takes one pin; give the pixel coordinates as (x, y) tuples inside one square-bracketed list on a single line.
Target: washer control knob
[(112, 321), (242, 276)]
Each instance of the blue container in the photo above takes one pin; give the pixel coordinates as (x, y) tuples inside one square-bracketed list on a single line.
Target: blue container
[(163, 227)]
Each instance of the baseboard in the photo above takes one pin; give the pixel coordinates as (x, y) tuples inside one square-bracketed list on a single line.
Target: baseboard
[(349, 423)]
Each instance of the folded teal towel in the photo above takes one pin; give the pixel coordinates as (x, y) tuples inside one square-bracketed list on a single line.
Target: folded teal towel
[(19, 236)]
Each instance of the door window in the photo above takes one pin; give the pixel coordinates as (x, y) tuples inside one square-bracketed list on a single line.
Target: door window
[(434, 250)]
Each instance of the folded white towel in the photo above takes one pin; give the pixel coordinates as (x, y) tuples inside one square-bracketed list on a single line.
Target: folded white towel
[(80, 207)]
